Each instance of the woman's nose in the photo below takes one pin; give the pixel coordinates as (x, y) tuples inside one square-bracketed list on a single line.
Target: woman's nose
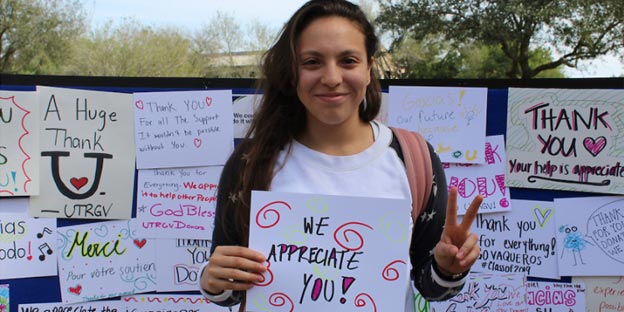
[(332, 76)]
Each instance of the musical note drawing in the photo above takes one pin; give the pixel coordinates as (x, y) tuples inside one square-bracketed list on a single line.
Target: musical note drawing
[(48, 251), (45, 230)]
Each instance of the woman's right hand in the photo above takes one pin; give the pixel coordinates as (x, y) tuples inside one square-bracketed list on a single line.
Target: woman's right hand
[(233, 267)]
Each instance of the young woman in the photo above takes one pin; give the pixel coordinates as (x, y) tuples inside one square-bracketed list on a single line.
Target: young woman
[(314, 133)]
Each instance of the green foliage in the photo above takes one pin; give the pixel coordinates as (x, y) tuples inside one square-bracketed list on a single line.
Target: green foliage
[(131, 49), (434, 58), (571, 30), (35, 35)]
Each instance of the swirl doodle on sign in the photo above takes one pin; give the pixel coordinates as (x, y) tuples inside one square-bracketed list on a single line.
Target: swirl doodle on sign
[(389, 273), (127, 231), (267, 209), (294, 235), (265, 281), (317, 205), (394, 230), (360, 301), (279, 300), (345, 235), (63, 242)]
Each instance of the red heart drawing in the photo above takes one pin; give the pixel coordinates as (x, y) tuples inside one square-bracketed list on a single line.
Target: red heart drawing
[(140, 243), (197, 142), (75, 290), (595, 146), (29, 257), (208, 101), (139, 104), (79, 183)]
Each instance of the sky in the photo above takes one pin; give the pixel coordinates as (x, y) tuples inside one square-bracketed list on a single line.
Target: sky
[(192, 14)]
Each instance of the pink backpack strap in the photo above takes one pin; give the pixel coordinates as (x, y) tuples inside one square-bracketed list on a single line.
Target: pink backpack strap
[(418, 165)]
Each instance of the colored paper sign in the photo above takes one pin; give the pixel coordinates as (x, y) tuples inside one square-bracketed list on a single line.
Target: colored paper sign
[(178, 262), (87, 163), (183, 128), (177, 203), (604, 294), (555, 297), (486, 179), (104, 260), (4, 298), (26, 243), (330, 253), (452, 119), (571, 140), (518, 241), (590, 235), (174, 303), (19, 126), (487, 292)]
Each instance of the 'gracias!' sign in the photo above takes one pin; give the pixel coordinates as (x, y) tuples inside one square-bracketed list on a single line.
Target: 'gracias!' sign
[(331, 253)]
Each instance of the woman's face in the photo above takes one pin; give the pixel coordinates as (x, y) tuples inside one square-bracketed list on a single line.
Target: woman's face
[(333, 71)]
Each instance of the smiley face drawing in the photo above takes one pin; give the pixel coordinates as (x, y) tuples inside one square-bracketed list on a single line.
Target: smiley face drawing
[(77, 183)]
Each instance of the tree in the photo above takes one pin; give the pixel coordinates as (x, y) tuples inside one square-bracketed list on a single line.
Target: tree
[(36, 34), (132, 49), (226, 49), (570, 30), (217, 42), (435, 58)]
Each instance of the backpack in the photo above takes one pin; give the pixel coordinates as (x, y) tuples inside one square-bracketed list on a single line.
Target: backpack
[(417, 161)]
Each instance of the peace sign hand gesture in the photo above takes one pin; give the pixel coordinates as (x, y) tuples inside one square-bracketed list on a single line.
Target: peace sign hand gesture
[(458, 249)]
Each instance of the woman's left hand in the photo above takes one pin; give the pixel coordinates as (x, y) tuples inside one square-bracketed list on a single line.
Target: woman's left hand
[(458, 248)]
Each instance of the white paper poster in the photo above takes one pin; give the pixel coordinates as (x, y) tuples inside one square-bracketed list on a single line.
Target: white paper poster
[(330, 253), (27, 245), (173, 303), (518, 241), (487, 292), (19, 145), (604, 293), (555, 297), (104, 260), (178, 262), (452, 119), (87, 163), (95, 306), (244, 107), (590, 235), (183, 128), (571, 140), (487, 179), (177, 203)]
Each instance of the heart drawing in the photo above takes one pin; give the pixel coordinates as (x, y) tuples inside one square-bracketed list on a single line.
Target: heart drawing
[(78, 183), (75, 290), (542, 216), (139, 104), (140, 243), (208, 101), (595, 146), (197, 142)]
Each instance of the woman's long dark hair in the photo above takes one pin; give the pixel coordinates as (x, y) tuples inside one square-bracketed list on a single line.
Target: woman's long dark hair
[(281, 117)]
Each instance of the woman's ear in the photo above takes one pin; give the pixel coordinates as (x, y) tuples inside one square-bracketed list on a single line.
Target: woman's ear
[(371, 63)]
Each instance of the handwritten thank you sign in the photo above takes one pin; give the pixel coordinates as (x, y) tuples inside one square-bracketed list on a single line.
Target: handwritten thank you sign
[(87, 169), (103, 260), (183, 129), (571, 140)]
